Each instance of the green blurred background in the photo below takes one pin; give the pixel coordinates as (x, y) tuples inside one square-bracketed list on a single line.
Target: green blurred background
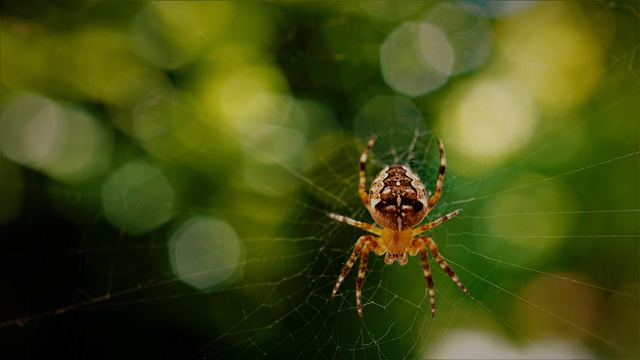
[(166, 168)]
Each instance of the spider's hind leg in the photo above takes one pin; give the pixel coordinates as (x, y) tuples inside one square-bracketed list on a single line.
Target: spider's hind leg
[(362, 191), (433, 200)]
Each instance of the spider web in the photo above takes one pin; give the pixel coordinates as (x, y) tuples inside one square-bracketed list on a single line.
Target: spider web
[(547, 242)]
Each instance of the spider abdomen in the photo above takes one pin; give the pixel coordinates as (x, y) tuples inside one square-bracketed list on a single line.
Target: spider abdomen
[(398, 199)]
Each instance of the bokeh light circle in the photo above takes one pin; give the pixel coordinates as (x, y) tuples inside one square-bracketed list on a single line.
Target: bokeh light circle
[(204, 252), (68, 144), (138, 197), (489, 120), (416, 58)]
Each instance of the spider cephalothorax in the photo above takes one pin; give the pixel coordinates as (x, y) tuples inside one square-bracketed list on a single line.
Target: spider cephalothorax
[(398, 202)]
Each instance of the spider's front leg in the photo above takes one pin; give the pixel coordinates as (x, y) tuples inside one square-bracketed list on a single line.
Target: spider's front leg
[(424, 242), (364, 256), (427, 275), (363, 241), (418, 245), (361, 248), (443, 264)]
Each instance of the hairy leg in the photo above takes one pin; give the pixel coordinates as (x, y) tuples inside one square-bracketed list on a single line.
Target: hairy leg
[(359, 224), (357, 248), (430, 225), (443, 164), (362, 191)]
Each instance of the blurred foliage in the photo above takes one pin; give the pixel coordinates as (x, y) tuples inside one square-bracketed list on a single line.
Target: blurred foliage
[(166, 167)]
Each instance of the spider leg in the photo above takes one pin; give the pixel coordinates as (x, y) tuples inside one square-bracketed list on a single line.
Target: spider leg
[(364, 256), (443, 264), (357, 248), (359, 224), (362, 191), (430, 225), (427, 275), (443, 164)]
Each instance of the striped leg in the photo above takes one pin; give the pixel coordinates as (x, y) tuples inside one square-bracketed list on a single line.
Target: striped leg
[(430, 225), (427, 275), (359, 224), (443, 164), (364, 256), (362, 191), (443, 264), (357, 248)]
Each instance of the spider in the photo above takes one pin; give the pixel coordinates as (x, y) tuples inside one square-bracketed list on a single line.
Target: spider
[(398, 202)]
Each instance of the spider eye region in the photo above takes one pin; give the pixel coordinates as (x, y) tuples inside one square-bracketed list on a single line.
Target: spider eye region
[(396, 243), (398, 198)]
